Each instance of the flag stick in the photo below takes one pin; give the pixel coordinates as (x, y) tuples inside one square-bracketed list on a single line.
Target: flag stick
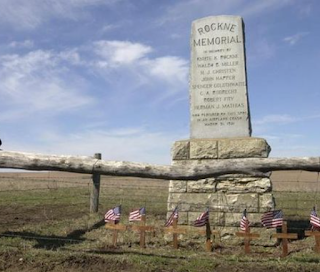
[(208, 237), (142, 232)]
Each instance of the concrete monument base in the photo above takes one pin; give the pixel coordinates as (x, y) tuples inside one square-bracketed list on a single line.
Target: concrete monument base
[(226, 196)]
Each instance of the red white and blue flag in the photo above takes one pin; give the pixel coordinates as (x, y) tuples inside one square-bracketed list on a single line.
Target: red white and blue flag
[(113, 215), (314, 219), (202, 219), (244, 222), (272, 219), (137, 214), (174, 215)]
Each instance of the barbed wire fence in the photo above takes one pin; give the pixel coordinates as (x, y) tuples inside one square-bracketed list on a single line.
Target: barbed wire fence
[(118, 192), (18, 193)]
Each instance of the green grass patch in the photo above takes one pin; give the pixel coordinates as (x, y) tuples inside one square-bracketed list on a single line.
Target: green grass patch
[(52, 230)]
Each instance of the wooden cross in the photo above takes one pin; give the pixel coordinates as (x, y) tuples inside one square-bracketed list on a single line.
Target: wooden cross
[(175, 231), (247, 236), (208, 232), (285, 236), (316, 235), (143, 229), (116, 228), (208, 237)]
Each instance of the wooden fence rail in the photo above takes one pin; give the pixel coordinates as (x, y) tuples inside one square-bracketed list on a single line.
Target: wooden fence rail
[(90, 165), (96, 167)]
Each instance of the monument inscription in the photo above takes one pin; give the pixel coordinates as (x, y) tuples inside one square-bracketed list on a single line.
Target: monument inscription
[(218, 85)]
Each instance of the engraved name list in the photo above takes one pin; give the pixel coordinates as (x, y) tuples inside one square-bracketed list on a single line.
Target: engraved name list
[(218, 88)]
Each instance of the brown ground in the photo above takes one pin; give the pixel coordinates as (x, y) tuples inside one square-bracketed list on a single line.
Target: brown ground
[(11, 216)]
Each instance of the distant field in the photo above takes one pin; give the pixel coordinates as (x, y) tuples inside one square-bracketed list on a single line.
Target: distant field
[(66, 188), (295, 191), (295, 181), (282, 180), (45, 225)]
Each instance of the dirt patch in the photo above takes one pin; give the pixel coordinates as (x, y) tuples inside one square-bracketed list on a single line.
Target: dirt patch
[(19, 215), (115, 261), (20, 261)]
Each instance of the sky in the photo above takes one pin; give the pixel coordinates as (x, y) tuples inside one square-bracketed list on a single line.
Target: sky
[(79, 77)]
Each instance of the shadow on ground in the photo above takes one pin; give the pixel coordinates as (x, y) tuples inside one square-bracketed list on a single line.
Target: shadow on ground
[(53, 242)]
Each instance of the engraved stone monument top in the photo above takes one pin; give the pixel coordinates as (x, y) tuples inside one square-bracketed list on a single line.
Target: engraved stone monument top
[(218, 84)]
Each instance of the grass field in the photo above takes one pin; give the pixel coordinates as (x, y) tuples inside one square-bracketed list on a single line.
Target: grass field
[(45, 226)]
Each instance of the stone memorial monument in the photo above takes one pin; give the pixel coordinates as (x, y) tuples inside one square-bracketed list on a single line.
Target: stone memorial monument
[(218, 84), (220, 129)]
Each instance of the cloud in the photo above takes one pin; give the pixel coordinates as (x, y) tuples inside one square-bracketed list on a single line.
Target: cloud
[(290, 145), (305, 9), (121, 52), (169, 68), (292, 40), (286, 134), (54, 82), (253, 8), (138, 68), (47, 83), (281, 119), (175, 36), (134, 144), (30, 14), (38, 82), (271, 123), (109, 27), (261, 50), (276, 119), (193, 9), (296, 150), (71, 56), (23, 44), (185, 10)]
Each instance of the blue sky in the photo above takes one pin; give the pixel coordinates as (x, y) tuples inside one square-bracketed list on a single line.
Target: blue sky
[(85, 76)]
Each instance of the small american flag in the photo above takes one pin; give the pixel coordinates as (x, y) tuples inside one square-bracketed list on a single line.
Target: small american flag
[(314, 219), (244, 222), (113, 214), (202, 220), (272, 219), (137, 214), (172, 216)]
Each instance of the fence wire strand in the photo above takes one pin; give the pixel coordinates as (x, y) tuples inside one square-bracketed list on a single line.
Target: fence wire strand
[(75, 192)]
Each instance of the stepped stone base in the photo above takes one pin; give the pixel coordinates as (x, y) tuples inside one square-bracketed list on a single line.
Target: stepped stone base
[(230, 148), (226, 196)]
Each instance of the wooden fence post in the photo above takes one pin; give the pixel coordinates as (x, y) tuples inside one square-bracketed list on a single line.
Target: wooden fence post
[(94, 197)]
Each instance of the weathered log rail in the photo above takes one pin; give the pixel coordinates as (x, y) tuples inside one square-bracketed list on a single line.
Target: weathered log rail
[(90, 165)]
